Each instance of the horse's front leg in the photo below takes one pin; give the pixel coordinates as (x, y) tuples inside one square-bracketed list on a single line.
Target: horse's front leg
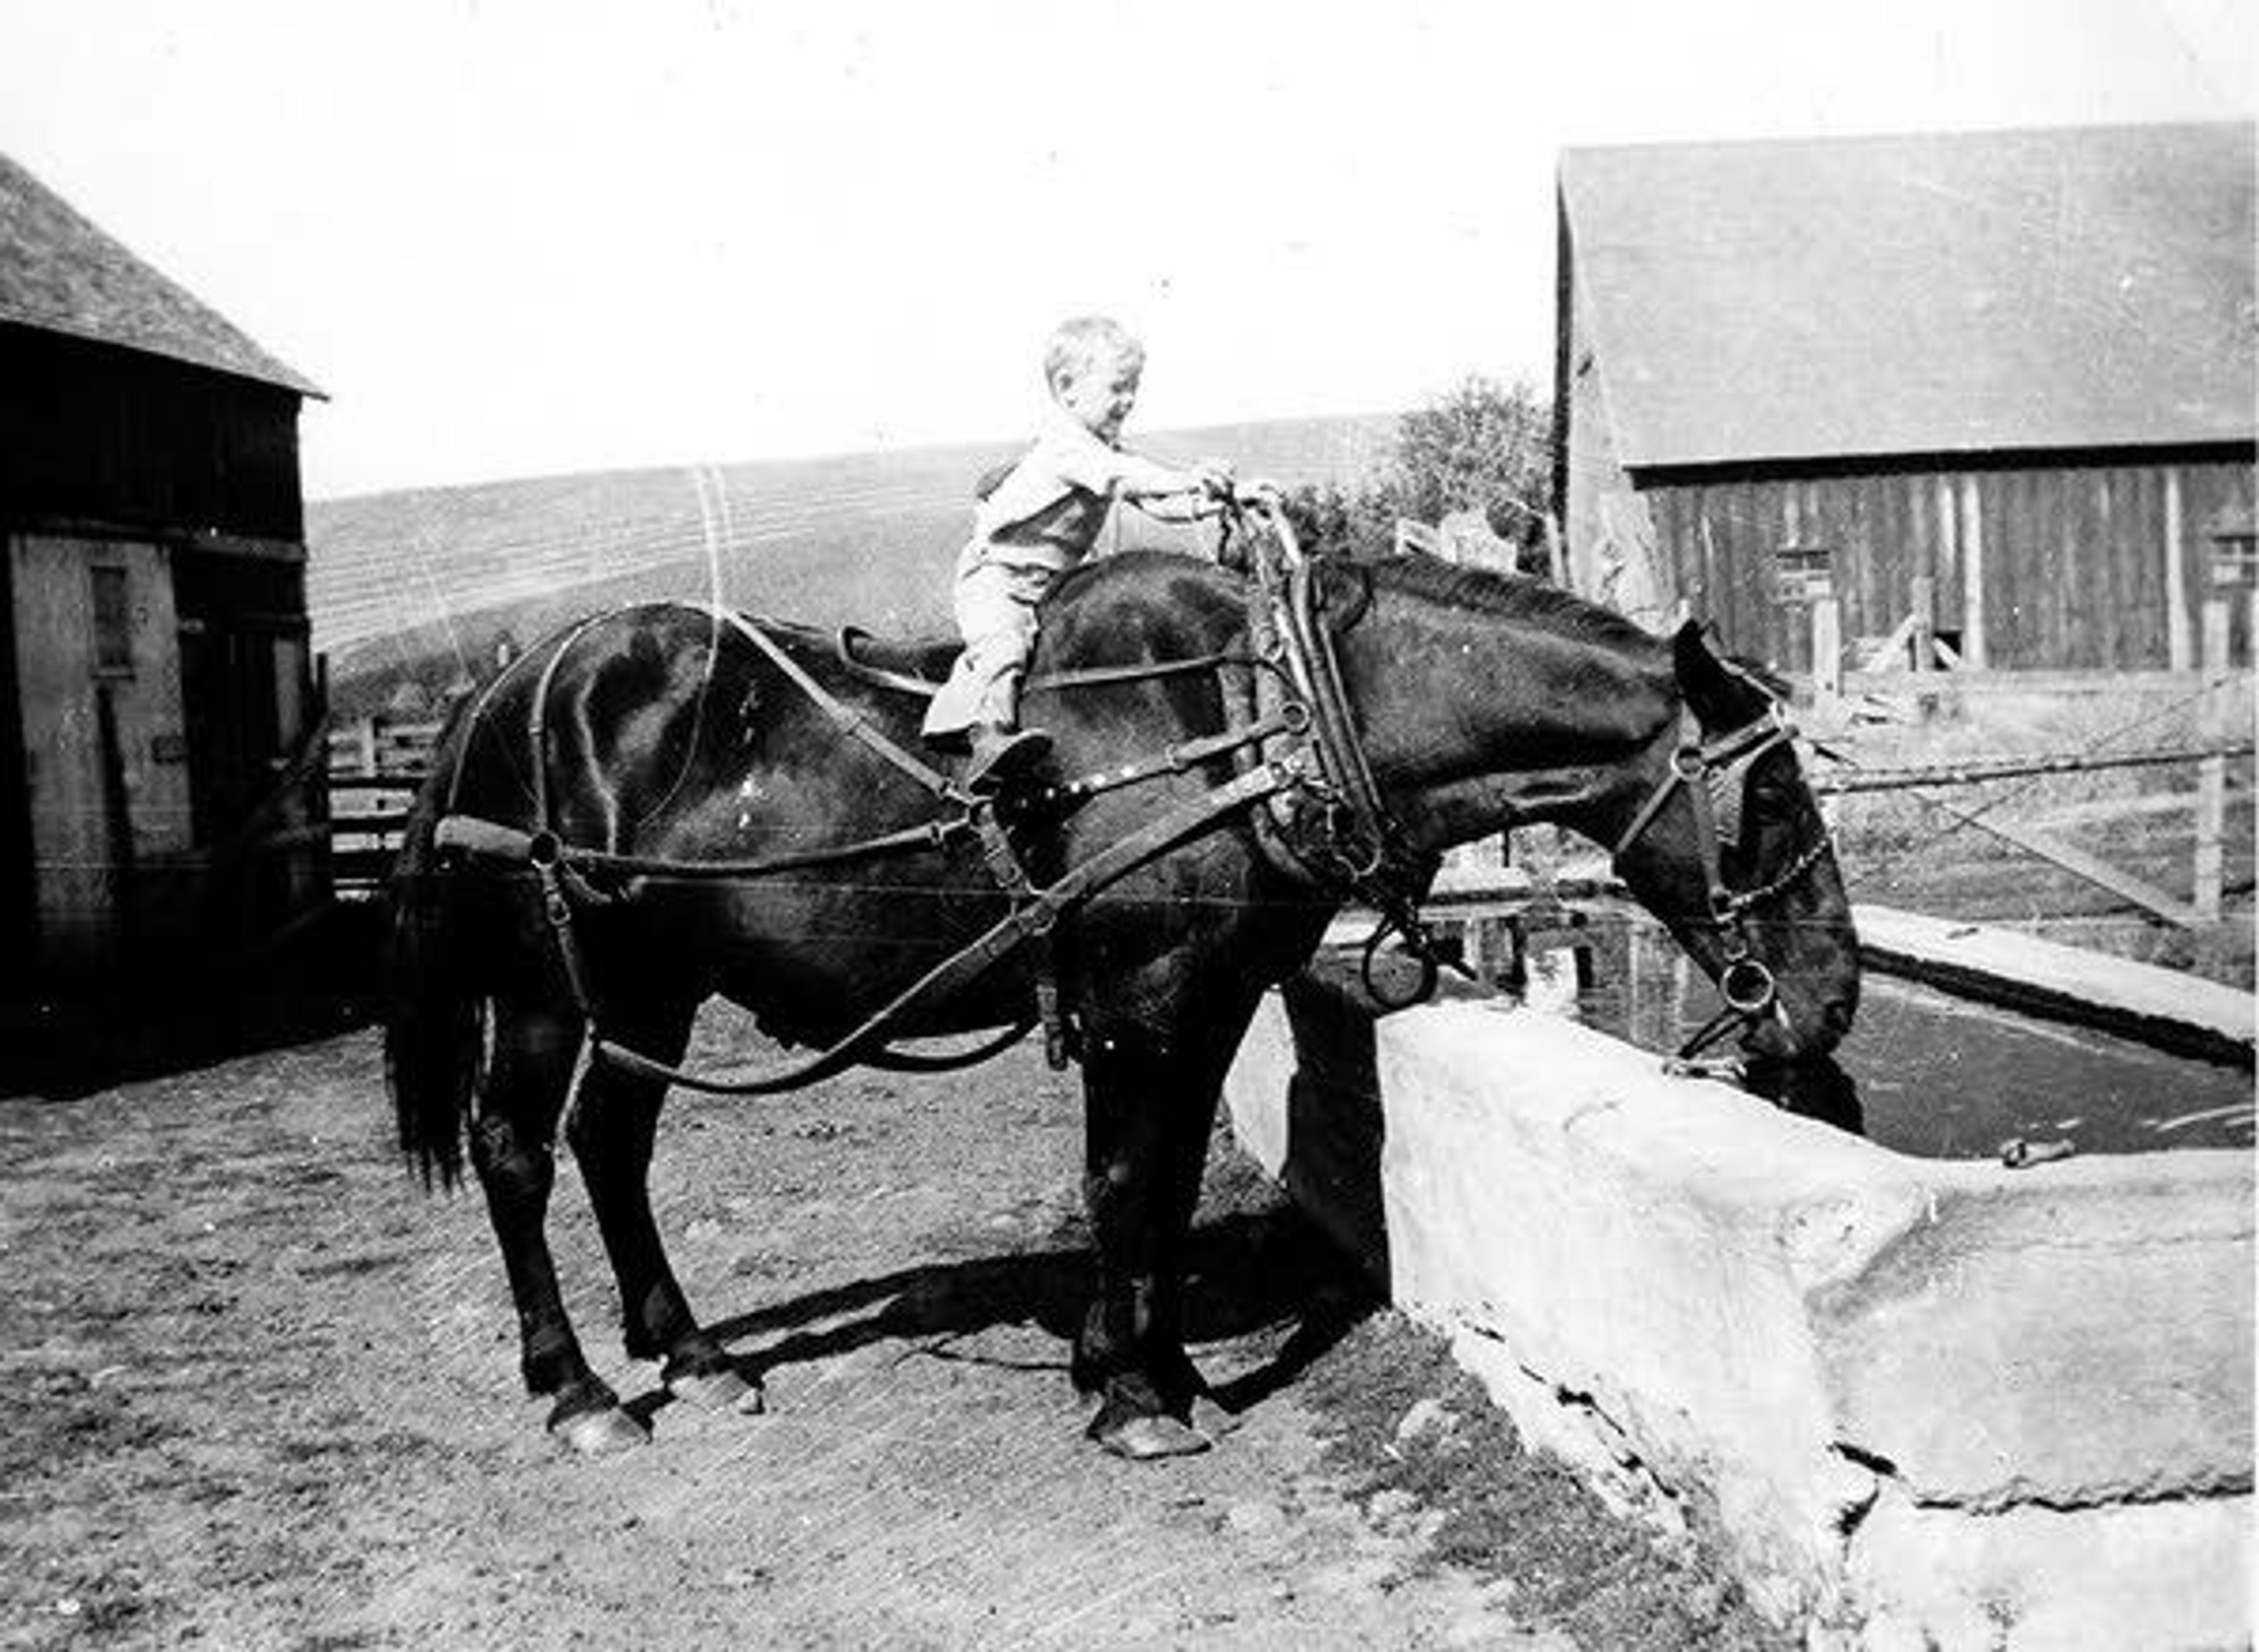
[(1150, 1101), (612, 1130)]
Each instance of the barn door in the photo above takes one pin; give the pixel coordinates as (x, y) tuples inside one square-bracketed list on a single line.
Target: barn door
[(247, 680), (105, 755)]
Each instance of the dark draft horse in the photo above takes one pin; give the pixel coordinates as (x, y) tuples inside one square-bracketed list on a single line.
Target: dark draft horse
[(663, 735)]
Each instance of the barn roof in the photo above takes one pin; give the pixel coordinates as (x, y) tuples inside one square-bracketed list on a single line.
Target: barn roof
[(2086, 287), (60, 273)]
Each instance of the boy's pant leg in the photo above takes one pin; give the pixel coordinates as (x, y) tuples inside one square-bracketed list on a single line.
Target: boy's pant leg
[(995, 605)]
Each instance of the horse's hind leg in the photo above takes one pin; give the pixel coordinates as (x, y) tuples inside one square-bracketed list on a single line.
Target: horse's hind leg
[(614, 1124), (512, 1147)]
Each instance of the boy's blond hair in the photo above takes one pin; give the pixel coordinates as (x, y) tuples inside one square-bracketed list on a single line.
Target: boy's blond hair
[(1080, 343)]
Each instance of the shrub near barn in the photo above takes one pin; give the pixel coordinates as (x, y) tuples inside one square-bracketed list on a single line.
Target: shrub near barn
[(1481, 447)]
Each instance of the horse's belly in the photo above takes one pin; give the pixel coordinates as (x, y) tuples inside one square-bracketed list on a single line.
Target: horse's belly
[(815, 966)]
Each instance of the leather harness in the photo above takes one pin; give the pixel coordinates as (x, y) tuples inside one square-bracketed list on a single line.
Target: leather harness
[(1301, 777), (1300, 769)]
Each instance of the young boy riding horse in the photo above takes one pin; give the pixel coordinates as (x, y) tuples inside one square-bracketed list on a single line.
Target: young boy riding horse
[(1040, 517)]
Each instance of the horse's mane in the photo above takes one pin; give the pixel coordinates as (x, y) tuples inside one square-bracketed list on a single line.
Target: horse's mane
[(1511, 596)]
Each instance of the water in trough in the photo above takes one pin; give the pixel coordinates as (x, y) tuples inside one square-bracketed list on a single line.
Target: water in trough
[(1924, 1072)]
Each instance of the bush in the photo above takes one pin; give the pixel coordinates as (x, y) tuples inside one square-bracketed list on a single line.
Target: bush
[(1482, 446)]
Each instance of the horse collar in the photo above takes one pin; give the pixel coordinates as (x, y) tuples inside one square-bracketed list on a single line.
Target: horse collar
[(1334, 826)]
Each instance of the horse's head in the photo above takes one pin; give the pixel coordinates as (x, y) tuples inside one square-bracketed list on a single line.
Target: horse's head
[(1726, 845)]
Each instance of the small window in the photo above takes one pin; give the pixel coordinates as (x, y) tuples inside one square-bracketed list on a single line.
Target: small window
[(113, 623)]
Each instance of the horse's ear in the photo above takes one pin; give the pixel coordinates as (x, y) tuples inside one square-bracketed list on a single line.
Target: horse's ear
[(1718, 697), (1345, 587)]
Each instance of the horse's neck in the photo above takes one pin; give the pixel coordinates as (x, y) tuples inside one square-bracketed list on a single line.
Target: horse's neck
[(1481, 720)]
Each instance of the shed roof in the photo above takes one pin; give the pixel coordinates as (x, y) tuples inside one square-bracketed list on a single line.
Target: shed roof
[(61, 273), (2083, 287)]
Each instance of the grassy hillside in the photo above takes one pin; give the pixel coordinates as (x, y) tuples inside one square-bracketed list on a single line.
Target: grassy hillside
[(418, 586)]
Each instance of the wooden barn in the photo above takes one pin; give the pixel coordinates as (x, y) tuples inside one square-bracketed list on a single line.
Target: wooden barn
[(1996, 386), (160, 753)]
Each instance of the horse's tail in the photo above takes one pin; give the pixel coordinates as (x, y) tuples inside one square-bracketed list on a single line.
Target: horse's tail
[(433, 1036)]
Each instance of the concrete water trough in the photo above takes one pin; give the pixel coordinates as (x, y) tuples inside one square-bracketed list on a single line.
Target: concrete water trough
[(1924, 1400)]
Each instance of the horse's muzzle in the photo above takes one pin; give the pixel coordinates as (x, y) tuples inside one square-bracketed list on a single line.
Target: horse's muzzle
[(1800, 1031)]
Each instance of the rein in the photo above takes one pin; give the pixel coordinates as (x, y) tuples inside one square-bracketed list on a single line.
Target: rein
[(1048, 681)]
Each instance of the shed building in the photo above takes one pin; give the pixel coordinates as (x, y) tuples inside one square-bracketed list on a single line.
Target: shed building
[(2002, 379), (160, 773)]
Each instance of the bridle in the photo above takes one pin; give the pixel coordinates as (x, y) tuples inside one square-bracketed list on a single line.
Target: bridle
[(1333, 825), (1715, 775)]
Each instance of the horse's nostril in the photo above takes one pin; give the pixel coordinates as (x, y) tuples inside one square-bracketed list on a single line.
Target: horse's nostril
[(1823, 1025)]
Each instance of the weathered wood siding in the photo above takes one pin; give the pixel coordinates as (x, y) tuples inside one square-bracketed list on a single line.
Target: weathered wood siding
[(2097, 565), (104, 747), (1608, 532), (153, 661), (94, 434)]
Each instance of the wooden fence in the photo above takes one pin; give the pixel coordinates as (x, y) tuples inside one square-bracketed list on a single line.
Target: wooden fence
[(1804, 578), (375, 767), (2208, 803)]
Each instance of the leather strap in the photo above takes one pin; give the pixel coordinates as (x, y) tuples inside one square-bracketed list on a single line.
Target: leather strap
[(1035, 916)]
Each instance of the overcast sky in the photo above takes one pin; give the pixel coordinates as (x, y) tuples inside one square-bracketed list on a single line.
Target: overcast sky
[(520, 236)]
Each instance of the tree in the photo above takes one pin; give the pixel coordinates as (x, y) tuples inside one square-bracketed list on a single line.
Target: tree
[(1482, 446)]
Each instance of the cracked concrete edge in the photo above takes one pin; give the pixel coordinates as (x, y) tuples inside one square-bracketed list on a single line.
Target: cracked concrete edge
[(2133, 1577), (2064, 1340), (1801, 1581)]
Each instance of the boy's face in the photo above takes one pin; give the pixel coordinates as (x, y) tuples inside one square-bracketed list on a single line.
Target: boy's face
[(1100, 395)]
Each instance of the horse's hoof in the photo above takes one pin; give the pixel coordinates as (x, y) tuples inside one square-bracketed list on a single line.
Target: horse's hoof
[(602, 1433), (725, 1389), (1144, 1439)]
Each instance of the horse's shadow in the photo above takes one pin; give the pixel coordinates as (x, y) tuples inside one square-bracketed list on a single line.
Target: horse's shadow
[(1247, 1273)]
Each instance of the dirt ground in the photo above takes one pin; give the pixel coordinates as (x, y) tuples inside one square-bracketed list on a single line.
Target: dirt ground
[(262, 1392)]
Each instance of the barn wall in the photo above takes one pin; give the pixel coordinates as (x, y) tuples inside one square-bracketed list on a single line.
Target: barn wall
[(104, 741), (94, 434), (16, 888), (2067, 566), (138, 792), (1608, 531)]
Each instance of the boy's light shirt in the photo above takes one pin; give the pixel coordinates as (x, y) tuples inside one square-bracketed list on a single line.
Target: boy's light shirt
[(1050, 507)]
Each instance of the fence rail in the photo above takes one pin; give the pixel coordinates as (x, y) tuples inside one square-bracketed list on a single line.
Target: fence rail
[(1844, 780), (375, 767)]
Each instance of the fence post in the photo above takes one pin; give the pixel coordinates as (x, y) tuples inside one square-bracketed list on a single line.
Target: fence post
[(1975, 650), (2212, 773), (1925, 622), (1803, 574), (1827, 649), (2232, 566), (2177, 636)]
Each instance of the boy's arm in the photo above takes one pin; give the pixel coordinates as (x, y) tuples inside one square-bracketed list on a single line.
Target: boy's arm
[(1081, 459), (1169, 493)]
